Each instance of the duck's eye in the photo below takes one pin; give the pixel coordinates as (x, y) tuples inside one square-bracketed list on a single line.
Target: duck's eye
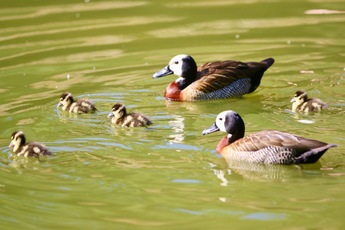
[(176, 62), (220, 119)]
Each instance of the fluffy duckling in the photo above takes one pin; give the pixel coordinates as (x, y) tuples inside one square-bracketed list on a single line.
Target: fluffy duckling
[(80, 106), (212, 80), (32, 149), (267, 147), (119, 116), (301, 103)]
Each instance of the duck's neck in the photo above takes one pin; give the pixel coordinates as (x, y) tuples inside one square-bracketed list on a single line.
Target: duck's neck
[(236, 132), (235, 136), (294, 106), (66, 106), (119, 116), (174, 89), (182, 82), (228, 139), (188, 74), (16, 148)]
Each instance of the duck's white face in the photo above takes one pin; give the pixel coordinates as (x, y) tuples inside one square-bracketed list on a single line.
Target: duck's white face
[(117, 111), (176, 64), (298, 99), (224, 122), (16, 141), (65, 101), (221, 120)]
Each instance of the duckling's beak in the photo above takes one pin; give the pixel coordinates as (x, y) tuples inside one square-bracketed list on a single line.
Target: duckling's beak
[(211, 129), (293, 100), (163, 72), (11, 145), (110, 115), (58, 105)]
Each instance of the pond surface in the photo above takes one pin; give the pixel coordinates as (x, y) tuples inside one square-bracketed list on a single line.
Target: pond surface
[(167, 176)]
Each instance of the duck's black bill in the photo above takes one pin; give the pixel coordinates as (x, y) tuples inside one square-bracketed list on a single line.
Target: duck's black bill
[(211, 129), (163, 72)]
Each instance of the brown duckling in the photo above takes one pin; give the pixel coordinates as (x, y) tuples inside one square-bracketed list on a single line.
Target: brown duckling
[(80, 106), (301, 103), (212, 80), (119, 116), (267, 147), (21, 148)]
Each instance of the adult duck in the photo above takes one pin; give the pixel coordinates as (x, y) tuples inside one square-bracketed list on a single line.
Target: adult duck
[(212, 80), (301, 103), (32, 149), (268, 147)]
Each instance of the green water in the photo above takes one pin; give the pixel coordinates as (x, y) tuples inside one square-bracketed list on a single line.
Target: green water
[(167, 176)]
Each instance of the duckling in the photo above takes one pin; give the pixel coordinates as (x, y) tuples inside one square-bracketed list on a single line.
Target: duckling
[(212, 80), (301, 103), (32, 149), (267, 147), (80, 106), (119, 116)]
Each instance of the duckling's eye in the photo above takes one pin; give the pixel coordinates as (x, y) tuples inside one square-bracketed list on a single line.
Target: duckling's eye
[(176, 62), (220, 119)]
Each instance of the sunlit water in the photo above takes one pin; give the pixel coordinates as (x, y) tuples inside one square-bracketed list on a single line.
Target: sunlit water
[(168, 175)]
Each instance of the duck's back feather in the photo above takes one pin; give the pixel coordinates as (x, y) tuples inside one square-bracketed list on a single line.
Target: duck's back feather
[(135, 119), (312, 105), (33, 149), (223, 79), (262, 139), (275, 147), (82, 106)]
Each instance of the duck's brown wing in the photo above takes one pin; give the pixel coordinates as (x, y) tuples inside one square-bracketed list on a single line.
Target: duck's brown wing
[(274, 147), (214, 76), (264, 139)]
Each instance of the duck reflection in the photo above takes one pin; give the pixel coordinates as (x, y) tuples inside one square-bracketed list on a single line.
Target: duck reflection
[(253, 103), (178, 127), (263, 172)]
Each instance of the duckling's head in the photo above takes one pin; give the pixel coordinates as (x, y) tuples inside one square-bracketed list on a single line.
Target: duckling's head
[(181, 65), (65, 99), (299, 98), (17, 140), (118, 111)]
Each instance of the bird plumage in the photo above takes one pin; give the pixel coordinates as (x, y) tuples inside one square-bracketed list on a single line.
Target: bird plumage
[(268, 146), (302, 103), (119, 116), (212, 80), (79, 106), (21, 148)]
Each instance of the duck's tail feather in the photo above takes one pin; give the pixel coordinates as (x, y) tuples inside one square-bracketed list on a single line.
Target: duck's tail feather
[(313, 155), (268, 62)]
